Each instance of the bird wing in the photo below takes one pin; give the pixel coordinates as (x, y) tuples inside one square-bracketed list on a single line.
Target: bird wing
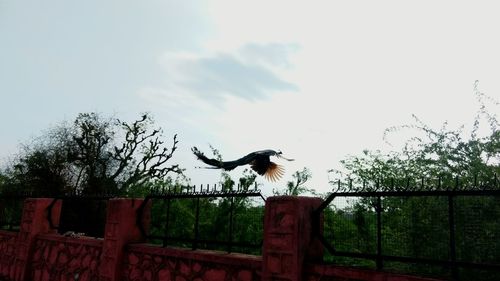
[(274, 172), (264, 167)]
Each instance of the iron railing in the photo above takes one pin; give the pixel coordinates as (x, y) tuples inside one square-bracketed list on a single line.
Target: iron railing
[(371, 209), (82, 214), (177, 217), (11, 208)]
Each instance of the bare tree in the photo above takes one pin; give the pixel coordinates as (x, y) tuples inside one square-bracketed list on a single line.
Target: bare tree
[(96, 155)]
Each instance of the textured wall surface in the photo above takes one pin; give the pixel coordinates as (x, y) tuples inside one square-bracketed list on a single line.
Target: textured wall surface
[(64, 258), (33, 222), (144, 262), (288, 240), (121, 229), (7, 253), (290, 253)]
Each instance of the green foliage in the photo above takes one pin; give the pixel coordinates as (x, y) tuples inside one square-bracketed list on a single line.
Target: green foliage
[(297, 185), (176, 218), (93, 155), (434, 153), (419, 226)]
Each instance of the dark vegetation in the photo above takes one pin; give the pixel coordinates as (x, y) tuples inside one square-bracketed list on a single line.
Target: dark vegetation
[(95, 155), (417, 227)]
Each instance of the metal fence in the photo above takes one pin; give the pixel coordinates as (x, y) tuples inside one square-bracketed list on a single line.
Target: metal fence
[(450, 231), (11, 208), (80, 214), (206, 217)]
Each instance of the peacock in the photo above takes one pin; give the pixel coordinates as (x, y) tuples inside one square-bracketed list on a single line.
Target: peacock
[(259, 161)]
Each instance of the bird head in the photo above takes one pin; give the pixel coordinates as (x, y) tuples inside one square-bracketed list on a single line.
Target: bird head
[(279, 154)]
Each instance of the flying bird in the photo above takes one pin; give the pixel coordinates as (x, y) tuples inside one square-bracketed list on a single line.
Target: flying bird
[(259, 162)]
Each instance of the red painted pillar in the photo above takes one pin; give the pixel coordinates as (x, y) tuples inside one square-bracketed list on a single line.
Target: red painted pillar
[(121, 229), (34, 221), (287, 237)]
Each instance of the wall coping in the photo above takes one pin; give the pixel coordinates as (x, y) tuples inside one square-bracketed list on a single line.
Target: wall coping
[(252, 261), (85, 240)]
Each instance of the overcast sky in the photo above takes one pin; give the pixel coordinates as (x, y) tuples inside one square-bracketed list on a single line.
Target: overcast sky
[(315, 79)]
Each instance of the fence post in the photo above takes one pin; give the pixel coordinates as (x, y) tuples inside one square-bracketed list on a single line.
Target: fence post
[(121, 228), (453, 253), (33, 222), (288, 240), (379, 233)]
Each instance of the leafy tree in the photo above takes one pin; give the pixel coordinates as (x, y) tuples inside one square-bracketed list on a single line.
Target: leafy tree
[(91, 156), (245, 210), (418, 226), (215, 214), (434, 153), (3, 181), (94, 155), (297, 185)]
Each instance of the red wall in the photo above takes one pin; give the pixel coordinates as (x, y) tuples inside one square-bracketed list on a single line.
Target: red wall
[(7, 253), (64, 258), (145, 262), (290, 252)]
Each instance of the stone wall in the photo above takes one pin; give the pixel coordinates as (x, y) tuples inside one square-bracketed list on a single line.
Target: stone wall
[(144, 262), (7, 253), (65, 258), (290, 251)]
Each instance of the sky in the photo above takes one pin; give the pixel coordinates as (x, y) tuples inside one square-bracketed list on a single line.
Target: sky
[(318, 80)]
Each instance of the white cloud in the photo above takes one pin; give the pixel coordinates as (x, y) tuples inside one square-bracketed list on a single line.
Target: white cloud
[(248, 73), (270, 54)]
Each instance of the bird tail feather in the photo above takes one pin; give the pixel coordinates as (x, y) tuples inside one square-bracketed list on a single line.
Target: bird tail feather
[(201, 156)]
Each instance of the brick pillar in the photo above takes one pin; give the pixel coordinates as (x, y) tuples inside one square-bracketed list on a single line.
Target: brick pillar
[(33, 222), (287, 237), (121, 229)]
